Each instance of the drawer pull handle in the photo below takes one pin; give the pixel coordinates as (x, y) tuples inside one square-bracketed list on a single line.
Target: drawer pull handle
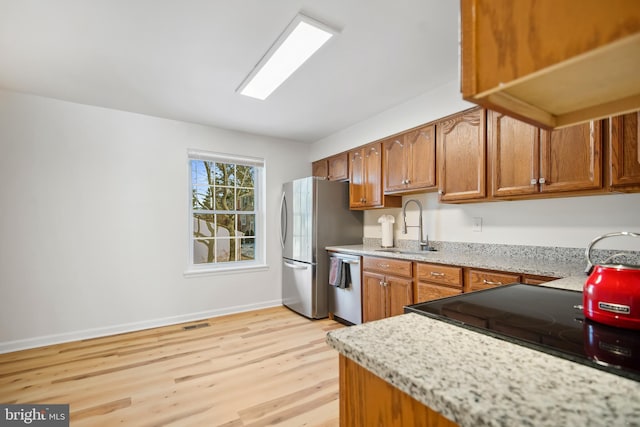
[(489, 282), (433, 273), (383, 265)]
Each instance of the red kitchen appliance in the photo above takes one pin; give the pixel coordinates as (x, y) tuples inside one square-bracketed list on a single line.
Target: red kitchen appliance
[(611, 294)]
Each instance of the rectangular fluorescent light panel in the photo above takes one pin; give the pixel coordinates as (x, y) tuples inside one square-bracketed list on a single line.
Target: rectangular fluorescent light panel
[(301, 39)]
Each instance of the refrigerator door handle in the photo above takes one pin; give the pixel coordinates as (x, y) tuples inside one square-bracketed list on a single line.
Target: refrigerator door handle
[(295, 267), (283, 220)]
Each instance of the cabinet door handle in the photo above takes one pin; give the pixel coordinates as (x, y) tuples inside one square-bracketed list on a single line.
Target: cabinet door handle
[(441, 192), (381, 283), (408, 181), (534, 181), (433, 273), (489, 282), (542, 180)]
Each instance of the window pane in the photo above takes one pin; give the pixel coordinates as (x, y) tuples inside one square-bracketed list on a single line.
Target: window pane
[(247, 225), (224, 199), (204, 225), (248, 248), (202, 198), (226, 250), (203, 251), (226, 225), (225, 174), (245, 176), (201, 172), (244, 199)]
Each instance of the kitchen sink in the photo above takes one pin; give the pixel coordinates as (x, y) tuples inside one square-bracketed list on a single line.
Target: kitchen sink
[(406, 251)]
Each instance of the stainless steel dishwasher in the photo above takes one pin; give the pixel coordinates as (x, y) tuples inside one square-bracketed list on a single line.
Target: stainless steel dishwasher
[(346, 304)]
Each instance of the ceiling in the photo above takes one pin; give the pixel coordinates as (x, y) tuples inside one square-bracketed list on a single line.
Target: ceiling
[(184, 59)]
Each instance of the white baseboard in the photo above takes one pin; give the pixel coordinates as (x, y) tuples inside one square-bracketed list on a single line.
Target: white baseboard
[(28, 343)]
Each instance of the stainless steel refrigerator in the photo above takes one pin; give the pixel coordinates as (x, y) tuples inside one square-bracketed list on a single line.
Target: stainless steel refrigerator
[(314, 213)]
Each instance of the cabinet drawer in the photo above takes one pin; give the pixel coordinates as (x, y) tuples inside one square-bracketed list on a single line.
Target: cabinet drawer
[(430, 291), (477, 279), (388, 266), (536, 280), (440, 274)]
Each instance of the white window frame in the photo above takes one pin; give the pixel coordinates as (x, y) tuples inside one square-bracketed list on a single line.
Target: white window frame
[(259, 263)]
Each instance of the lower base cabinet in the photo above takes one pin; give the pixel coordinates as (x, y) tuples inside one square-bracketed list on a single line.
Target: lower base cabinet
[(368, 400), (387, 286)]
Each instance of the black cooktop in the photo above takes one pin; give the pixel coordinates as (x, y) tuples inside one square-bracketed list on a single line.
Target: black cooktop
[(542, 318)]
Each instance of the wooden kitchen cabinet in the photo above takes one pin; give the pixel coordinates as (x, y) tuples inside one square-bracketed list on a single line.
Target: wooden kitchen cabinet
[(434, 281), (365, 184), (551, 63), (624, 152), (477, 280), (409, 161), (525, 161), (334, 168), (571, 158), (461, 153), (514, 156), (368, 400), (387, 286), (530, 279)]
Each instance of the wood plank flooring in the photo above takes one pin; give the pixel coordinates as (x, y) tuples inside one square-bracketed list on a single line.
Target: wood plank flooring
[(261, 368)]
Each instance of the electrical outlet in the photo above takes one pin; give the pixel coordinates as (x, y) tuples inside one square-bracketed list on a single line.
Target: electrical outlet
[(477, 224)]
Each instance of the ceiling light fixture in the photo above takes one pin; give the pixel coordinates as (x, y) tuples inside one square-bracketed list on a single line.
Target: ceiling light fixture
[(301, 39)]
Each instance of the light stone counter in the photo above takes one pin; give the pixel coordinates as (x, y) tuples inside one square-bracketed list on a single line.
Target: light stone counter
[(559, 266), (476, 380)]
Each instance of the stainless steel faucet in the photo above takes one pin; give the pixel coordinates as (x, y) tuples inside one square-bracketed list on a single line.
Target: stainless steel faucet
[(424, 244)]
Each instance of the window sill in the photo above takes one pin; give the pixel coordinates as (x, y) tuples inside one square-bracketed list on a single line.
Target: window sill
[(212, 271)]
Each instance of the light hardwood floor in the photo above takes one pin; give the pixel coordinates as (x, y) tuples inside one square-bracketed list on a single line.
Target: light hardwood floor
[(266, 367)]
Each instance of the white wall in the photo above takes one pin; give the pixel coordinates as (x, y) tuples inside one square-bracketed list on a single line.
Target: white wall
[(433, 105), (94, 221), (565, 222)]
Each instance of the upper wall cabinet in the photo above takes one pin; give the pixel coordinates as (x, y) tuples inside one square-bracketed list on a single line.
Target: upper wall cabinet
[(365, 183), (409, 161), (462, 156), (551, 63), (624, 150), (334, 168), (525, 161), (571, 158)]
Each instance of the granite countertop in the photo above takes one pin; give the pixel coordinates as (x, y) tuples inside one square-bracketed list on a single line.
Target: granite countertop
[(560, 266), (477, 380)]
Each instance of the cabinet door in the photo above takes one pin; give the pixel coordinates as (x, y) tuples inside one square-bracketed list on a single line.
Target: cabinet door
[(357, 178), (421, 158), (373, 296), (514, 156), (431, 291), (571, 158), (624, 136), (462, 156), (338, 167), (320, 169), (373, 175), (399, 294), (395, 164)]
